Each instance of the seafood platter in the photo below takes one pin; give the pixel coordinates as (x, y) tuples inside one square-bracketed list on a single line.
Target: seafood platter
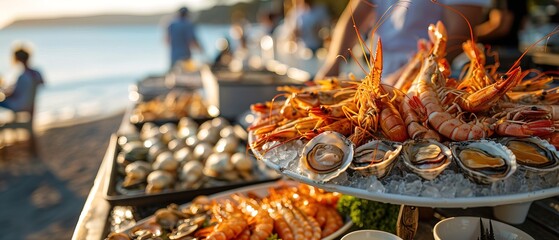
[(169, 107), (483, 138), (180, 161), (278, 210)]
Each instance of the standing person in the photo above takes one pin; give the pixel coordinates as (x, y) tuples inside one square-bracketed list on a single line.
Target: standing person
[(311, 19), (181, 37), (407, 22), (22, 95), (505, 21)]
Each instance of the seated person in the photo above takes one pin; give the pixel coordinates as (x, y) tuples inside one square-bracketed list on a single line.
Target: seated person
[(20, 99)]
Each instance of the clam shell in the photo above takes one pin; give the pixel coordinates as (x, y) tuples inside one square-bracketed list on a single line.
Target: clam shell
[(336, 154), (426, 170), (390, 151), (490, 147)]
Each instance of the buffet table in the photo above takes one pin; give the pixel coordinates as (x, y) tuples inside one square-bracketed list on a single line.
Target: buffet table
[(542, 221)]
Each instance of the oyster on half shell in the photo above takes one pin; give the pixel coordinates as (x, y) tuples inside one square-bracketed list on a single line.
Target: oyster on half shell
[(376, 157), (427, 158), (533, 154), (484, 161), (326, 156)]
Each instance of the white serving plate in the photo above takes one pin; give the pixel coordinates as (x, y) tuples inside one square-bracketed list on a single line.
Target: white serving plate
[(260, 190), (419, 201)]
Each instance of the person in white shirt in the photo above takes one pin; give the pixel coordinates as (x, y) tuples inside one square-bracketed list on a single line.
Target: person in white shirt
[(407, 23)]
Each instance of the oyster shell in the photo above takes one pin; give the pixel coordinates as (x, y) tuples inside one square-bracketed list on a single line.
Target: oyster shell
[(376, 157), (533, 154), (326, 156), (484, 161), (427, 158)]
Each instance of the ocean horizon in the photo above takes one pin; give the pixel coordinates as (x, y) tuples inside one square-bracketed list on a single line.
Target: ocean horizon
[(89, 69)]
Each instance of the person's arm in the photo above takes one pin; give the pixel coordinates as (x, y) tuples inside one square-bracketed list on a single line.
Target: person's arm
[(457, 28), (194, 41), (499, 24), (344, 36)]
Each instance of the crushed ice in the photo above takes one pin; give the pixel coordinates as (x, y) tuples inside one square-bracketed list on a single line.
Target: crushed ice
[(449, 184)]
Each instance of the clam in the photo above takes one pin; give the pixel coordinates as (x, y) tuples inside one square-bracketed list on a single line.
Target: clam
[(220, 123), (159, 180), (118, 236), (166, 218), (202, 151), (484, 161), (326, 156), (128, 137), (209, 135), (183, 155), (186, 122), (228, 131), (228, 144), (217, 164), (168, 132), (154, 151), (533, 154), (148, 129), (176, 144), (241, 161), (165, 161), (205, 125), (131, 152), (183, 231), (427, 158), (191, 171), (136, 172), (192, 141), (376, 157)]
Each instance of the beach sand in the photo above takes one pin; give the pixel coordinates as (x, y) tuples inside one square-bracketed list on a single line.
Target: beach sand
[(42, 197)]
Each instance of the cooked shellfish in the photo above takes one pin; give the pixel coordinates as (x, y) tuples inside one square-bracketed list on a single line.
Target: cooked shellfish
[(533, 154), (376, 157), (484, 161), (326, 156), (427, 158)]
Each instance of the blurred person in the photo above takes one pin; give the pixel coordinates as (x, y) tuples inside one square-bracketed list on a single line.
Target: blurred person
[(22, 93), (501, 30), (181, 37), (504, 21), (407, 23), (310, 20)]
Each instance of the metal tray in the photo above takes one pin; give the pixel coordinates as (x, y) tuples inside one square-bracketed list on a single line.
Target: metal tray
[(140, 198), (260, 190)]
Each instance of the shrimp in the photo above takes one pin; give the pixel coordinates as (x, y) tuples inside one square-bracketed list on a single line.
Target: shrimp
[(312, 229), (542, 96), (443, 122), (336, 111), (374, 107), (298, 231), (524, 129), (280, 225), (414, 123), (260, 223), (552, 138), (333, 221), (231, 222)]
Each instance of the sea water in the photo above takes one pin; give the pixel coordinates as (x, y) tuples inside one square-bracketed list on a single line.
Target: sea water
[(88, 69)]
